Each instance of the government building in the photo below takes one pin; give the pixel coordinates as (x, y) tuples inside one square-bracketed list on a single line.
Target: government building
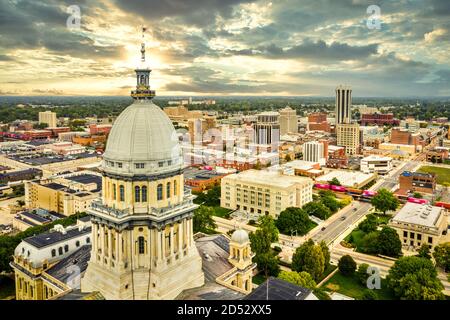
[(264, 192), (138, 241)]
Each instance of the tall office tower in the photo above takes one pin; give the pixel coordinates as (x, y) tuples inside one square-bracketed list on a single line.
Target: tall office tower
[(314, 151), (288, 121), (348, 136), (48, 117), (142, 227), (343, 104), (267, 129)]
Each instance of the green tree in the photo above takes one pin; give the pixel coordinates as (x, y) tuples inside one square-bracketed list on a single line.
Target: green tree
[(424, 251), (268, 226), (369, 224), (417, 195), (389, 243), (441, 255), (293, 220), (334, 182), (203, 221), (317, 209), (415, 278), (362, 274), (302, 279), (347, 265), (309, 257), (369, 243), (384, 201), (369, 295), (325, 252), (331, 203), (40, 126), (268, 264), (259, 242)]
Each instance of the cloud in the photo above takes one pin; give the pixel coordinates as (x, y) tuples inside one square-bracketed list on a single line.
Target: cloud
[(194, 12)]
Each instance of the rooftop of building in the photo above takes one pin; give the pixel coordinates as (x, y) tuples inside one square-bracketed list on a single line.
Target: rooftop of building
[(62, 270), (271, 178), (346, 177), (53, 236), (214, 251), (193, 173), (39, 159), (373, 157), (418, 174), (418, 214), (277, 289), (87, 178)]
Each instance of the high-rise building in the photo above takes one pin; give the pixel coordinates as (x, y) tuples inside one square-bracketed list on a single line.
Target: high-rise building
[(348, 136), (314, 151), (288, 121), (267, 129), (142, 227), (343, 104), (48, 118)]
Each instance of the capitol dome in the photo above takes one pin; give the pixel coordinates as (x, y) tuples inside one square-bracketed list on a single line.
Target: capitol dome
[(240, 236), (142, 140)]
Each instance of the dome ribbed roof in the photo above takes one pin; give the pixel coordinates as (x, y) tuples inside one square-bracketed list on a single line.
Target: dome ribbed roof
[(240, 236), (143, 133)]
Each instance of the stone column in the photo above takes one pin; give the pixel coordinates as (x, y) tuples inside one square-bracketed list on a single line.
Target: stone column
[(163, 242), (94, 239), (158, 245), (102, 241), (180, 238), (109, 243), (119, 257), (116, 243), (172, 242)]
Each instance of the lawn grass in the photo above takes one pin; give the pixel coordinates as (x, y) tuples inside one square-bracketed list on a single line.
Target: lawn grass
[(352, 287), (221, 212), (7, 287), (442, 174), (329, 269)]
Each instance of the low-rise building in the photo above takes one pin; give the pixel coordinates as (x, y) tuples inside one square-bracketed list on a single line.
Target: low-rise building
[(264, 192), (418, 224), (347, 178), (376, 164), (417, 182), (66, 196), (44, 264)]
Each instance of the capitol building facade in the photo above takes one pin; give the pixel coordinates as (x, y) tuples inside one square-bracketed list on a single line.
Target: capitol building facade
[(142, 233)]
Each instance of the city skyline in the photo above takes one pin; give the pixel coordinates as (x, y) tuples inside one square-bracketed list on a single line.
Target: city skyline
[(235, 47)]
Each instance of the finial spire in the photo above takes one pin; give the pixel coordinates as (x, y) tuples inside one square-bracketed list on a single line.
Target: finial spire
[(143, 91), (143, 44)]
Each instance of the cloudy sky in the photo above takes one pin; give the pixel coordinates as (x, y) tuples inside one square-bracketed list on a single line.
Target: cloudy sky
[(226, 47)]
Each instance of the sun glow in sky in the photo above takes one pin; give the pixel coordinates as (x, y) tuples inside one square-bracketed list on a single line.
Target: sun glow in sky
[(226, 47)]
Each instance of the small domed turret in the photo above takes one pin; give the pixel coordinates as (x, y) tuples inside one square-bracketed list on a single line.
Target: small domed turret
[(240, 236)]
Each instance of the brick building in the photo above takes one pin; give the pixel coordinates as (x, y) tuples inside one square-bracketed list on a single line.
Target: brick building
[(416, 181), (379, 119)]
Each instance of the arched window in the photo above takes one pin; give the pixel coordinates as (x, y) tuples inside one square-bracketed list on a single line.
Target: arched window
[(144, 194), (114, 191), (174, 187), (121, 193), (168, 190), (141, 244), (159, 192), (137, 194), (66, 248), (53, 252), (60, 250)]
